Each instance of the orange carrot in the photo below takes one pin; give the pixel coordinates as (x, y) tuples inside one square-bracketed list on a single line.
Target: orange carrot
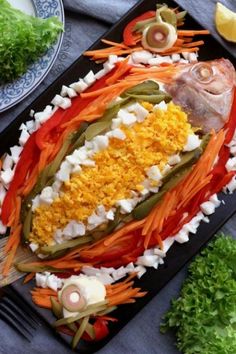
[(121, 70), (17, 212), (30, 182), (119, 45), (193, 44), (44, 302), (130, 227), (44, 157), (11, 255), (28, 277), (13, 238), (191, 33), (124, 296)]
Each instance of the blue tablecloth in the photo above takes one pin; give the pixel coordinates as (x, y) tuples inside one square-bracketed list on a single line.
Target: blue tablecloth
[(86, 20)]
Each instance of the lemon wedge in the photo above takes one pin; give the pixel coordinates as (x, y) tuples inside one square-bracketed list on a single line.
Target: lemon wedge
[(225, 21)]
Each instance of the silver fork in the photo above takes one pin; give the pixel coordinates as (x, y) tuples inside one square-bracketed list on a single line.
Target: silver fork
[(17, 314)]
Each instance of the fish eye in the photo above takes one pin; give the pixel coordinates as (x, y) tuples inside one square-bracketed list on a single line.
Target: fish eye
[(203, 72)]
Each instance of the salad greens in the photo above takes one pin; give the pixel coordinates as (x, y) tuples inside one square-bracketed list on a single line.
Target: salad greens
[(23, 39), (204, 316)]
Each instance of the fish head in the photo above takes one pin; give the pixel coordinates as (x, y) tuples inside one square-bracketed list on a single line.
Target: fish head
[(205, 91)]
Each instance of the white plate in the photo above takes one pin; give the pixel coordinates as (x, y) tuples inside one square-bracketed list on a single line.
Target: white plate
[(12, 93)]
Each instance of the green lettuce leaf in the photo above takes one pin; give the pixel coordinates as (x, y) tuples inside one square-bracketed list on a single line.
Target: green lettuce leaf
[(23, 40), (204, 316)]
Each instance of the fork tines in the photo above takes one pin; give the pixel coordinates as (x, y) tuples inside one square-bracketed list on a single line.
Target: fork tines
[(15, 312)]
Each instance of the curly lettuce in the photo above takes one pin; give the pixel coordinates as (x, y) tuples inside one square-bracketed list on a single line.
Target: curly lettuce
[(204, 316), (23, 40)]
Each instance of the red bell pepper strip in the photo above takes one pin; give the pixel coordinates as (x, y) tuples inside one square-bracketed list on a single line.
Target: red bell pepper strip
[(128, 35), (43, 132), (27, 160), (115, 251), (231, 125), (52, 128), (101, 329)]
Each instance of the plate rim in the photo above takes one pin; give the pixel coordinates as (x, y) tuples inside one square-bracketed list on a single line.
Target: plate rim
[(57, 50)]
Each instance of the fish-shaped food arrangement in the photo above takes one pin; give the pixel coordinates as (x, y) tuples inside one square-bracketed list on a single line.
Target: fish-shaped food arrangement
[(127, 161), (205, 91)]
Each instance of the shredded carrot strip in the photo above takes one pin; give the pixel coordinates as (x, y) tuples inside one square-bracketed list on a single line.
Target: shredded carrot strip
[(44, 157), (193, 44), (149, 221), (132, 226), (17, 212), (123, 297), (14, 235), (182, 50), (12, 253), (29, 184), (195, 190), (119, 45), (122, 69), (122, 287), (179, 42), (191, 33), (159, 240), (43, 302), (29, 277)]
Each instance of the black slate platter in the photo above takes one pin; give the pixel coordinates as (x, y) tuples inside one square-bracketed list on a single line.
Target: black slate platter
[(178, 255)]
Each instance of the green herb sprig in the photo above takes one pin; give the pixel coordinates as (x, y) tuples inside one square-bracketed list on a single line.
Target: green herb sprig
[(204, 316), (23, 40)]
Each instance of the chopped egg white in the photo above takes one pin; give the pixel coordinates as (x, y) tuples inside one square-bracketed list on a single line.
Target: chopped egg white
[(141, 57), (231, 186), (126, 117), (3, 228), (15, 152), (47, 195), (112, 59), (41, 117), (7, 162), (140, 112), (6, 176), (231, 164), (73, 229), (47, 280), (117, 133), (175, 57), (107, 66), (68, 91), (79, 86), (90, 78), (192, 143), (3, 193), (23, 137), (100, 74), (154, 173), (208, 207), (174, 159)]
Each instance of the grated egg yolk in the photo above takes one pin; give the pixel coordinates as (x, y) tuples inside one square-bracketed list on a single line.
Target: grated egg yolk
[(119, 169)]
